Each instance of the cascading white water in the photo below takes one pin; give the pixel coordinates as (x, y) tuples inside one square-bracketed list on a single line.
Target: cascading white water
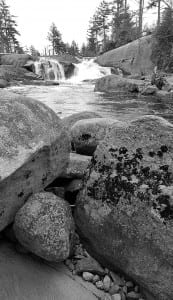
[(88, 70), (49, 69)]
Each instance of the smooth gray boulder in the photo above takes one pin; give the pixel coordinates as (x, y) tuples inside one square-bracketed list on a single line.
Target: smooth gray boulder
[(72, 119), (27, 278), (45, 227), (34, 150), (86, 134), (125, 211), (111, 83)]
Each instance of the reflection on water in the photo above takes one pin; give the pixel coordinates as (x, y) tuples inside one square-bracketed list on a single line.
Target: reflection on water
[(68, 98)]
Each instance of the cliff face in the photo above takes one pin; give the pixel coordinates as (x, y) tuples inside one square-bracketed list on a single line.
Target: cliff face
[(133, 57)]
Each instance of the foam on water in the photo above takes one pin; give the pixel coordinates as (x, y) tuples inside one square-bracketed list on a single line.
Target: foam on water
[(88, 70)]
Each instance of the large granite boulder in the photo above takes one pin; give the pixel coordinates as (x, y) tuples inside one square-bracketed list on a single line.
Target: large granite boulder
[(10, 73), (116, 83), (134, 57), (34, 150), (16, 60), (45, 226), (125, 211), (86, 134)]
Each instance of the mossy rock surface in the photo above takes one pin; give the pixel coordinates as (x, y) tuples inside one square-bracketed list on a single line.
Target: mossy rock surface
[(125, 211)]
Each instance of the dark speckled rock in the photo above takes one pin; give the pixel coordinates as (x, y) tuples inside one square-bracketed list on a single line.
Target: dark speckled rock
[(44, 226), (125, 211), (34, 150), (86, 134)]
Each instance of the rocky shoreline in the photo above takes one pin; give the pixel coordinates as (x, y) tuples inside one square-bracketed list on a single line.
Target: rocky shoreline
[(86, 196), (93, 193)]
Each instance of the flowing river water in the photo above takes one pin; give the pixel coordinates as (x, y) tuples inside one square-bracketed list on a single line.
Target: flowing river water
[(77, 94)]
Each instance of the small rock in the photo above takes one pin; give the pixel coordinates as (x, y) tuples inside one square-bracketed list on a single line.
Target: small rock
[(87, 276), (117, 279), (116, 297), (129, 284), (106, 283), (124, 289), (133, 295), (123, 297), (89, 264), (3, 83), (149, 90), (96, 278), (106, 297), (114, 289), (99, 285), (136, 289)]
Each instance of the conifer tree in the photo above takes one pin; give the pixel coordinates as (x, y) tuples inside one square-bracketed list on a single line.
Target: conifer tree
[(162, 55), (8, 30)]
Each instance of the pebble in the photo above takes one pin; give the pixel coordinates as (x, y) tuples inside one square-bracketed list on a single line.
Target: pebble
[(133, 295), (116, 297), (117, 279), (114, 289), (96, 278), (129, 284), (87, 276), (106, 283), (89, 264), (99, 285), (124, 289), (136, 289), (106, 297), (123, 297)]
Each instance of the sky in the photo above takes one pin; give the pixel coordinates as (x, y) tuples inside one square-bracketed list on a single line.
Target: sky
[(71, 17)]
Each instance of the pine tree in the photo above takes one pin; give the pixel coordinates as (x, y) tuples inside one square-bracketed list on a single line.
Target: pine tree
[(123, 30), (54, 36), (162, 55), (8, 30)]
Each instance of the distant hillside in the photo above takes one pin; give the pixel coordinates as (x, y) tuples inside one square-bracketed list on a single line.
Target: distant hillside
[(133, 57)]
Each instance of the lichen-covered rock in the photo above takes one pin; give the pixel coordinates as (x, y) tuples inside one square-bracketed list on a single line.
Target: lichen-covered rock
[(116, 83), (72, 119), (125, 210), (44, 226), (86, 134), (34, 150)]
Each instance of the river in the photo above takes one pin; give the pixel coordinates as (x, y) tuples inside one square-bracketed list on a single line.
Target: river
[(74, 95)]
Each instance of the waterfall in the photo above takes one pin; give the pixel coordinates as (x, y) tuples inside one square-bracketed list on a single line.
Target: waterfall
[(88, 70), (49, 69)]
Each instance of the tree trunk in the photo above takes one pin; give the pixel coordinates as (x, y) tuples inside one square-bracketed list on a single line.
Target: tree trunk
[(158, 20), (141, 8)]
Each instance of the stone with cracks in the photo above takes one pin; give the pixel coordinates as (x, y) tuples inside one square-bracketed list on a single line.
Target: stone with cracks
[(34, 150), (125, 211)]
